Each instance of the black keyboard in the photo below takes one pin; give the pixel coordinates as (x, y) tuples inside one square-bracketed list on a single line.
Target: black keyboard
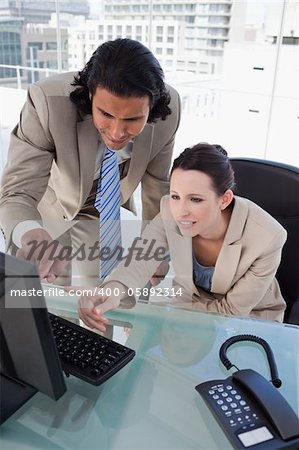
[(87, 355)]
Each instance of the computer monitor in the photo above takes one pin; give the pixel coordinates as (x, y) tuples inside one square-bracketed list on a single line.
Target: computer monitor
[(29, 360)]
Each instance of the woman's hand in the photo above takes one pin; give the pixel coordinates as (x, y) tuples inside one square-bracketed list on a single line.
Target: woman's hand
[(160, 273), (92, 308)]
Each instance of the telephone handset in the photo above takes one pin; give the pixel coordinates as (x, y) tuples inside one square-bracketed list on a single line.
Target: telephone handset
[(252, 413)]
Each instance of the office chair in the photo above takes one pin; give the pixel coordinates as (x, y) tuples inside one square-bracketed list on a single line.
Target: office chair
[(275, 187)]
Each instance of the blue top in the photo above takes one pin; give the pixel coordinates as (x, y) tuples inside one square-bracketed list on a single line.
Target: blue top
[(202, 275)]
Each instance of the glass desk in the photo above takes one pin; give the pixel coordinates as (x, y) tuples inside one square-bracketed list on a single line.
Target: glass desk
[(152, 403)]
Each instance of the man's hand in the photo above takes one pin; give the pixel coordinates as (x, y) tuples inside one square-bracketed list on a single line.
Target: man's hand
[(39, 248), (92, 308)]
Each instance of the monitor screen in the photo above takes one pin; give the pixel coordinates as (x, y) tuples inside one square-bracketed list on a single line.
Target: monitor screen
[(29, 360)]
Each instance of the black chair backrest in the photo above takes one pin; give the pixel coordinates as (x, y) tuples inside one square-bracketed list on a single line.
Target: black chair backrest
[(275, 187)]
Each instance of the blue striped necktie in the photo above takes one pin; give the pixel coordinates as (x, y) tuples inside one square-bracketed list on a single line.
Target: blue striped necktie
[(107, 202)]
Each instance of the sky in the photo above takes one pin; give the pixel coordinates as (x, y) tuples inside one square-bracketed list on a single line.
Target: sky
[(256, 9)]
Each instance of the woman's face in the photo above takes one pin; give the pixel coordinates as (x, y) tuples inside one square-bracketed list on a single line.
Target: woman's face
[(194, 205)]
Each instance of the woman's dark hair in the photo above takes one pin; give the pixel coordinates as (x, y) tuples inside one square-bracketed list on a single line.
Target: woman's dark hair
[(125, 68), (211, 160)]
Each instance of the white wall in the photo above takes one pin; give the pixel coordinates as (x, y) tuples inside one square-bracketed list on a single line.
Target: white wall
[(11, 101)]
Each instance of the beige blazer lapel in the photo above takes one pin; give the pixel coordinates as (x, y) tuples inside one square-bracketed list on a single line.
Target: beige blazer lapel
[(139, 160), (88, 142), (230, 253)]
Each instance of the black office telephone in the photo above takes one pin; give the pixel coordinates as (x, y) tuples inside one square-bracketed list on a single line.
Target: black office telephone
[(252, 413)]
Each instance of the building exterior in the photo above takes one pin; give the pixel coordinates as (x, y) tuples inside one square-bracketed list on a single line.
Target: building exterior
[(187, 35), (10, 45), (27, 39), (85, 37), (291, 23), (40, 12), (40, 49)]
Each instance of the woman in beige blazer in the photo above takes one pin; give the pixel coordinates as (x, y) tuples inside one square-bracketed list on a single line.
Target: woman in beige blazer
[(225, 250)]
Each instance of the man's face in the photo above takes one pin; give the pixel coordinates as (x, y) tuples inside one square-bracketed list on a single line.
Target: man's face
[(118, 119)]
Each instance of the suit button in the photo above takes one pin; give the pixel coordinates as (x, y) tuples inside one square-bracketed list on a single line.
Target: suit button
[(64, 216)]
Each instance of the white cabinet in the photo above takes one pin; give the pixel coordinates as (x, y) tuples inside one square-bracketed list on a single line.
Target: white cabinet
[(243, 119), (249, 67)]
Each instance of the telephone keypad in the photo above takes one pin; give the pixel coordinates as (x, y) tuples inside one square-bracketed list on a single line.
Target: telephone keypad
[(233, 406)]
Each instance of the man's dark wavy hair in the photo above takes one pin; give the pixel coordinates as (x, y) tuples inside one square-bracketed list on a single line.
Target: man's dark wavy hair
[(125, 68)]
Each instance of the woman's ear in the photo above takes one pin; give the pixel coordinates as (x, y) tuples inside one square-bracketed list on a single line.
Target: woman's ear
[(227, 198)]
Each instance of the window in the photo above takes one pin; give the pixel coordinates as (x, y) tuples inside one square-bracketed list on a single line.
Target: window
[(38, 45), (51, 45), (208, 50), (52, 65)]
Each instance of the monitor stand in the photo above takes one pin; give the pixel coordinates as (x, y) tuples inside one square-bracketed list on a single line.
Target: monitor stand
[(13, 394)]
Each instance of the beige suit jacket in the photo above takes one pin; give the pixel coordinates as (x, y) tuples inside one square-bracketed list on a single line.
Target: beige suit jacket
[(51, 159), (243, 282)]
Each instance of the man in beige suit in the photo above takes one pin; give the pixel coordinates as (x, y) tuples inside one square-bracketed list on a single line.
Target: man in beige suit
[(119, 100)]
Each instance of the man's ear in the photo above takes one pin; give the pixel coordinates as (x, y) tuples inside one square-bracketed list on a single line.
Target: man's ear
[(227, 198)]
